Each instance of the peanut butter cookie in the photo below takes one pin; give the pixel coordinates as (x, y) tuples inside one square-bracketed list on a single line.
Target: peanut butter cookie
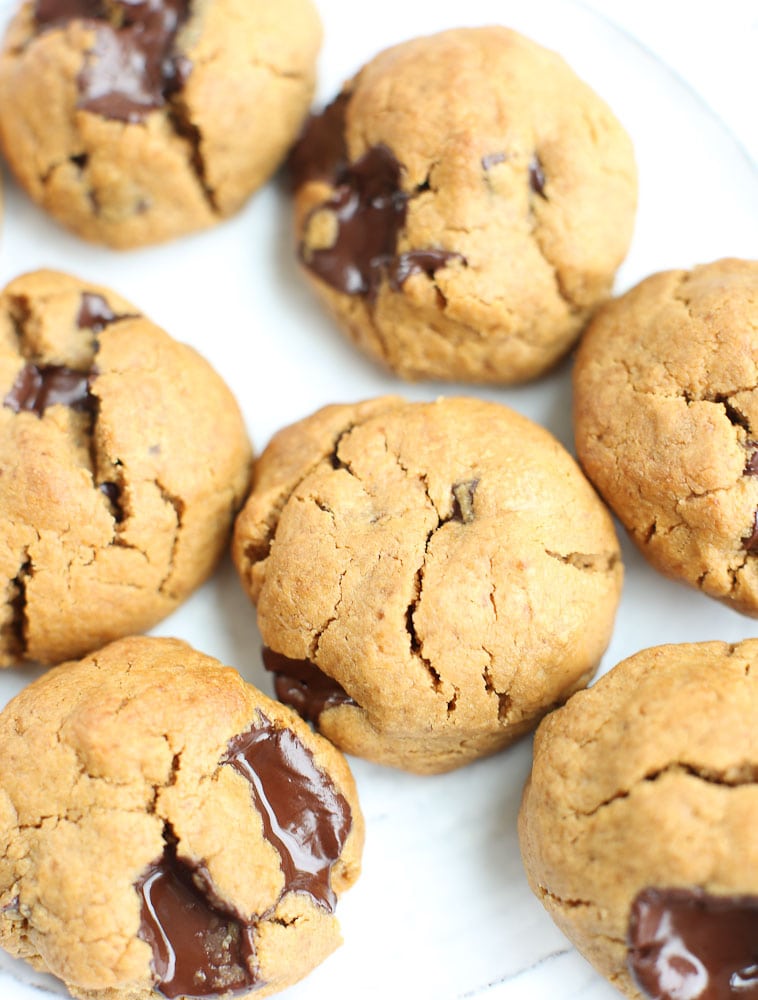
[(430, 578)]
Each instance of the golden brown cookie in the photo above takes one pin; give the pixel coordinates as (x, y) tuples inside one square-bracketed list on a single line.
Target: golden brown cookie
[(133, 123), (666, 417), (165, 827), (123, 459), (463, 205), (638, 824), (430, 578)]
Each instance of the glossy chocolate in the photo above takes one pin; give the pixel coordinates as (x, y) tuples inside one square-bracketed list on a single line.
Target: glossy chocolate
[(750, 542), (688, 945), (369, 209), (94, 313), (131, 68), (39, 386), (320, 152), (463, 500), (301, 685), (304, 816), (199, 950), (536, 176), (428, 262)]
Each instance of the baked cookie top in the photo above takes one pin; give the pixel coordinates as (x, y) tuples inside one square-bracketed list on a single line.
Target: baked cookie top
[(165, 826), (430, 578), (637, 826), (133, 123), (124, 458), (666, 420), (463, 205)]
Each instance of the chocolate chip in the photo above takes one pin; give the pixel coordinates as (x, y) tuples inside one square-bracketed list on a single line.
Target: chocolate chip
[(131, 68), (304, 816), (403, 265), (200, 949), (536, 176), (113, 493), (94, 313), (750, 542), (463, 500), (39, 386), (320, 152), (689, 944), (369, 211), (751, 467), (301, 685), (492, 159)]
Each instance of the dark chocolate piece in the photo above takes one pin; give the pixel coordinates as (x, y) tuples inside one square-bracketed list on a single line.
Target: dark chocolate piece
[(463, 500), (39, 386), (320, 153), (199, 949), (94, 313), (402, 266), (689, 945), (301, 685), (132, 68), (750, 542), (304, 816), (537, 176), (492, 160), (751, 467), (369, 210)]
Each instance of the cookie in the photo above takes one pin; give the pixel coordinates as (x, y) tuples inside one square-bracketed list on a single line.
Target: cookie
[(430, 578), (638, 824), (123, 460), (462, 206), (167, 829), (666, 420), (133, 123)]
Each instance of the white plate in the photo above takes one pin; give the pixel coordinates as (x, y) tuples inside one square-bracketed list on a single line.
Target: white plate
[(442, 910)]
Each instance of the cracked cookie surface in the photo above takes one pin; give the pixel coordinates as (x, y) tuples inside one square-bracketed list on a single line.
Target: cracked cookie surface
[(637, 826), (430, 579), (134, 123), (666, 422), (123, 459), (167, 829), (463, 205)]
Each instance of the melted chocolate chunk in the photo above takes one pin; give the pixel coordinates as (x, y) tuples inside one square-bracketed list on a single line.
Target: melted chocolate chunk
[(693, 946), (369, 210), (199, 949), (402, 266), (320, 152), (94, 313), (492, 160), (751, 467), (463, 500), (750, 542), (39, 386), (304, 816), (536, 176), (300, 684), (132, 68)]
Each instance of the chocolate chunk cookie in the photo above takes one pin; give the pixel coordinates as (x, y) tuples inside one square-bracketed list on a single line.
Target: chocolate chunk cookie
[(638, 824), (666, 413), (430, 578), (135, 122), (167, 829), (463, 204), (123, 459)]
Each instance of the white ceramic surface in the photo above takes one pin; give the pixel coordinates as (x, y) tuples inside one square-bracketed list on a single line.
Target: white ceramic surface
[(442, 910)]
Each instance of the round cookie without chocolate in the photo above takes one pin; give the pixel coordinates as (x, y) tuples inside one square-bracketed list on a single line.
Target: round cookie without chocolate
[(133, 123), (124, 459), (152, 848), (637, 826), (463, 205), (430, 578), (666, 420)]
